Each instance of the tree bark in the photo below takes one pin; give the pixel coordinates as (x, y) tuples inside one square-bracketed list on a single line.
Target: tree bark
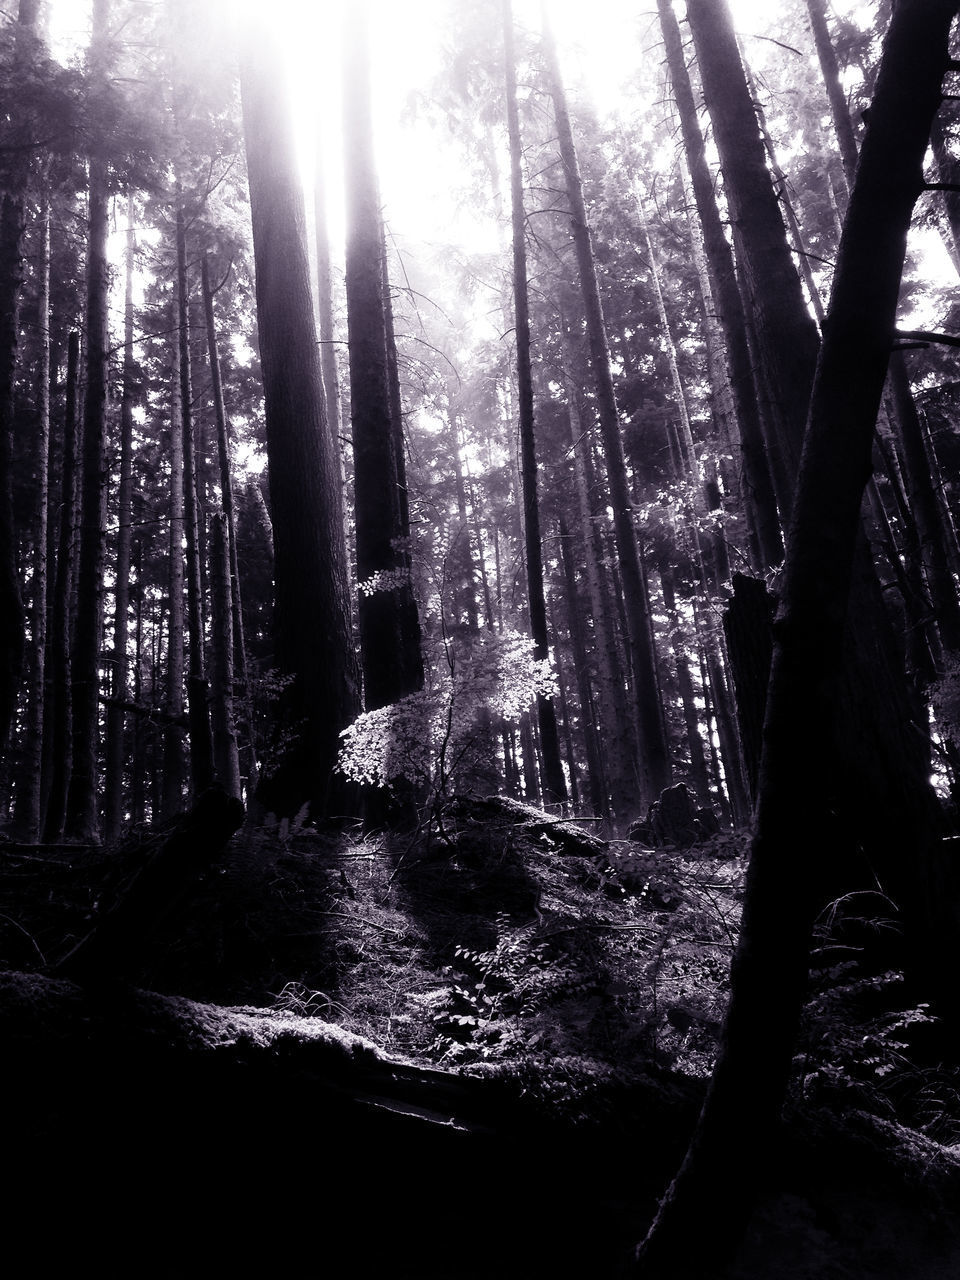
[(312, 606), (114, 751), (383, 575), (553, 781), (82, 800), (786, 336), (198, 710), (758, 487), (238, 658), (173, 735), (654, 758), (28, 812), (58, 717), (12, 211), (702, 1215)]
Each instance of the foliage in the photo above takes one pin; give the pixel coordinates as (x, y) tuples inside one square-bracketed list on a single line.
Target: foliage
[(858, 1049), (427, 737)]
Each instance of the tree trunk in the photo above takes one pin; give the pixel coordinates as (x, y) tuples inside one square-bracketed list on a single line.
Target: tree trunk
[(846, 137), (198, 711), (12, 208), (238, 658), (596, 773), (81, 821), (786, 336), (28, 811), (654, 758), (310, 569), (554, 783), (173, 734), (58, 717), (383, 576), (226, 756), (758, 485), (702, 1215), (410, 639), (114, 752)]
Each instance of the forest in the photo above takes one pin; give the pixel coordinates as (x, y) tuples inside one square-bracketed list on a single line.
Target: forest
[(480, 639)]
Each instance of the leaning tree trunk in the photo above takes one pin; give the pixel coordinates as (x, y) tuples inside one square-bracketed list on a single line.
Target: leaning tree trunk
[(759, 488), (553, 781), (654, 757), (797, 833), (310, 562), (786, 336)]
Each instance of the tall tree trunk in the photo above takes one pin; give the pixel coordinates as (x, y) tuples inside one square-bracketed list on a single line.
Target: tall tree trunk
[(596, 773), (617, 729), (410, 640), (310, 563), (654, 758), (114, 751), (28, 797), (382, 568), (758, 486), (198, 710), (702, 1215), (173, 734), (328, 337), (238, 658), (846, 136), (554, 783), (12, 207), (58, 719), (786, 336), (81, 821), (226, 755)]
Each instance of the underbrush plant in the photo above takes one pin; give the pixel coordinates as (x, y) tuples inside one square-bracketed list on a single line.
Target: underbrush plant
[(503, 1001), (857, 1050), (434, 738)]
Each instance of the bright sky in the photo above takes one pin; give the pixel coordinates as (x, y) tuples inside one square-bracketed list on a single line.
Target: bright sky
[(602, 46)]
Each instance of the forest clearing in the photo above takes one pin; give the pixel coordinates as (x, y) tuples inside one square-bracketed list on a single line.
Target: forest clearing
[(480, 639)]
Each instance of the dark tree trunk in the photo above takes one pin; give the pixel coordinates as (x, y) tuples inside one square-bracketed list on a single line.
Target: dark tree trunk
[(310, 563), (554, 783), (758, 485), (12, 207), (703, 1213), (173, 735), (58, 718), (114, 751), (81, 822), (826, 55), (786, 336), (225, 753), (28, 814), (383, 576)]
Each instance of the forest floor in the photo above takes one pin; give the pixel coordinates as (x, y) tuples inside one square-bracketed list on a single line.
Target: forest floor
[(515, 1022)]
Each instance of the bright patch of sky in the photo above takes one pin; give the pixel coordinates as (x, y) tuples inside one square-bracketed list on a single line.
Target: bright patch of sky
[(609, 50)]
